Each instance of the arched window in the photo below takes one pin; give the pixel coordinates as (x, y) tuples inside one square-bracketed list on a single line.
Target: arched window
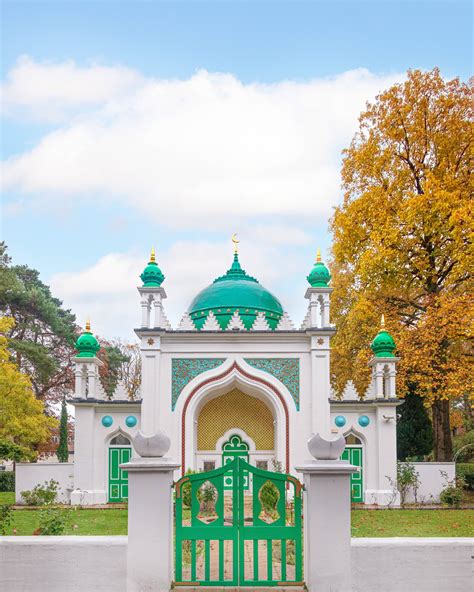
[(353, 440), (120, 440)]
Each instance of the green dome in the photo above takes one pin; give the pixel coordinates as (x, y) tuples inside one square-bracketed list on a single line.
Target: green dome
[(319, 276), (235, 292), (152, 276), (383, 345), (86, 344)]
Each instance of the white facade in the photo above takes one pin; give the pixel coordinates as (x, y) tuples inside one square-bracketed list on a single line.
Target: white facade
[(287, 370)]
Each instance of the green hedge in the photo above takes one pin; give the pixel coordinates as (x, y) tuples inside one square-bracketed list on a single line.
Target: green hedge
[(7, 481), (466, 470)]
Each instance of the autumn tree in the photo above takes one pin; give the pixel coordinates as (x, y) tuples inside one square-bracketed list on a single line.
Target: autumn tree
[(23, 423), (403, 243)]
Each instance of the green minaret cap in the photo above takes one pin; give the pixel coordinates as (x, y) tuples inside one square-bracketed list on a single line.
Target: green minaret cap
[(152, 276), (86, 344), (319, 276), (383, 345)]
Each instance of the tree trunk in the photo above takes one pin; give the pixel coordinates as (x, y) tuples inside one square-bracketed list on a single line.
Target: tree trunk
[(442, 442)]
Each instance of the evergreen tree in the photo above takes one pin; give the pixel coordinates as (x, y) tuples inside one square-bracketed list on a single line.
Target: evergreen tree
[(414, 430), (62, 452)]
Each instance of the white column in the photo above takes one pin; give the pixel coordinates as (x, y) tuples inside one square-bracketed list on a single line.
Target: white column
[(326, 311), (379, 382), (314, 311), (327, 525), (151, 359), (158, 321), (145, 304), (150, 524), (392, 383), (320, 386)]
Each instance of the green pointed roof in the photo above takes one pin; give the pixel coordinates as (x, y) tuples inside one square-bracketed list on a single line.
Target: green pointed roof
[(87, 345), (383, 345), (235, 291), (319, 276), (152, 276)]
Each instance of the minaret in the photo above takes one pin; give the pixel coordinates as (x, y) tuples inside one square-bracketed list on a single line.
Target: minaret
[(87, 364), (384, 364), (318, 295), (151, 292)]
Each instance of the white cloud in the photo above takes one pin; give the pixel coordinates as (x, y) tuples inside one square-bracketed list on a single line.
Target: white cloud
[(107, 293), (209, 151), (51, 91)]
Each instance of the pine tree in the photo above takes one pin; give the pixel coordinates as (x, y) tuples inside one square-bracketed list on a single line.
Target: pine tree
[(414, 430), (62, 451)]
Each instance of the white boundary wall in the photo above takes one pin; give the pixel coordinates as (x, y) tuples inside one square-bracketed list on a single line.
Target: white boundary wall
[(98, 564), (432, 482), (30, 474)]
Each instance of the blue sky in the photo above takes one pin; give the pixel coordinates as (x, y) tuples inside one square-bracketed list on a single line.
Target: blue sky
[(130, 124)]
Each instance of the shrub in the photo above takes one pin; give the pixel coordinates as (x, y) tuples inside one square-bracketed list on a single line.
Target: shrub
[(453, 492), (41, 495), (407, 478), (465, 471), (6, 518), (53, 521), (7, 481), (463, 447), (186, 490)]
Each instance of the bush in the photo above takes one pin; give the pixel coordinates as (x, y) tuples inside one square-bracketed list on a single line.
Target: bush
[(453, 492), (465, 471), (41, 495), (407, 478), (6, 518), (53, 521), (7, 481), (463, 447)]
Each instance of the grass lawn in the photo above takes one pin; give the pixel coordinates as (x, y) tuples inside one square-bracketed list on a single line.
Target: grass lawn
[(365, 523)]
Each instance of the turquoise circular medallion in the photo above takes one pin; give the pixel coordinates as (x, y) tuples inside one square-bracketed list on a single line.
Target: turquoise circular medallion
[(340, 421), (131, 421), (364, 421), (107, 421)]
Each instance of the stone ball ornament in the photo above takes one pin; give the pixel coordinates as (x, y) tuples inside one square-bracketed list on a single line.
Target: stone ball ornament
[(131, 421), (364, 421), (340, 421), (322, 449), (107, 421), (151, 446)]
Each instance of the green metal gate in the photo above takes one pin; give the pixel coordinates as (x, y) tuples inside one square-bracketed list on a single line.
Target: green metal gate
[(238, 538)]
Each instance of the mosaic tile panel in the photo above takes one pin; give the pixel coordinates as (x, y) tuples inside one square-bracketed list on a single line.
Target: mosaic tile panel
[(286, 370), (183, 370)]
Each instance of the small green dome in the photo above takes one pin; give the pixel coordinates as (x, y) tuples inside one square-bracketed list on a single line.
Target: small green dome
[(235, 292), (383, 345), (86, 344), (319, 276), (152, 276)]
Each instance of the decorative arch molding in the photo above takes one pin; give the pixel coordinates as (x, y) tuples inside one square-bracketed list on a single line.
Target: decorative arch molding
[(235, 432), (352, 431), (114, 434), (214, 384)]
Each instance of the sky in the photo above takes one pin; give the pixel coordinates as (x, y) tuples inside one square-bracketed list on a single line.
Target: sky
[(126, 125)]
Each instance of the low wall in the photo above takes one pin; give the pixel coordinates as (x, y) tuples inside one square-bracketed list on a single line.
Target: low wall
[(432, 482), (98, 564), (412, 564), (30, 474)]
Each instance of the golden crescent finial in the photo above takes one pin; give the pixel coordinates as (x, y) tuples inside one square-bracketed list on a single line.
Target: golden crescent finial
[(382, 321), (152, 255), (236, 242), (318, 256), (88, 325)]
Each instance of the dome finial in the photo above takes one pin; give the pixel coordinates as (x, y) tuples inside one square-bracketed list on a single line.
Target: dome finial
[(382, 321), (152, 255), (236, 242), (88, 325), (318, 255)]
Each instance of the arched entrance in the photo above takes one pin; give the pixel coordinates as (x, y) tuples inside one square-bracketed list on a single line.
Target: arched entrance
[(120, 451), (234, 424), (216, 383), (354, 453)]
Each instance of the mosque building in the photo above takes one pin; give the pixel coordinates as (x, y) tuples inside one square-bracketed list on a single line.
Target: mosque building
[(235, 378)]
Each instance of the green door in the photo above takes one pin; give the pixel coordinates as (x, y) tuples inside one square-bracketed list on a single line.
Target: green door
[(354, 455), (234, 448), (118, 478)]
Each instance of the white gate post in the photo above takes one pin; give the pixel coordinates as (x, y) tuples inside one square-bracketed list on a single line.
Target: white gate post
[(150, 516), (327, 517)]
